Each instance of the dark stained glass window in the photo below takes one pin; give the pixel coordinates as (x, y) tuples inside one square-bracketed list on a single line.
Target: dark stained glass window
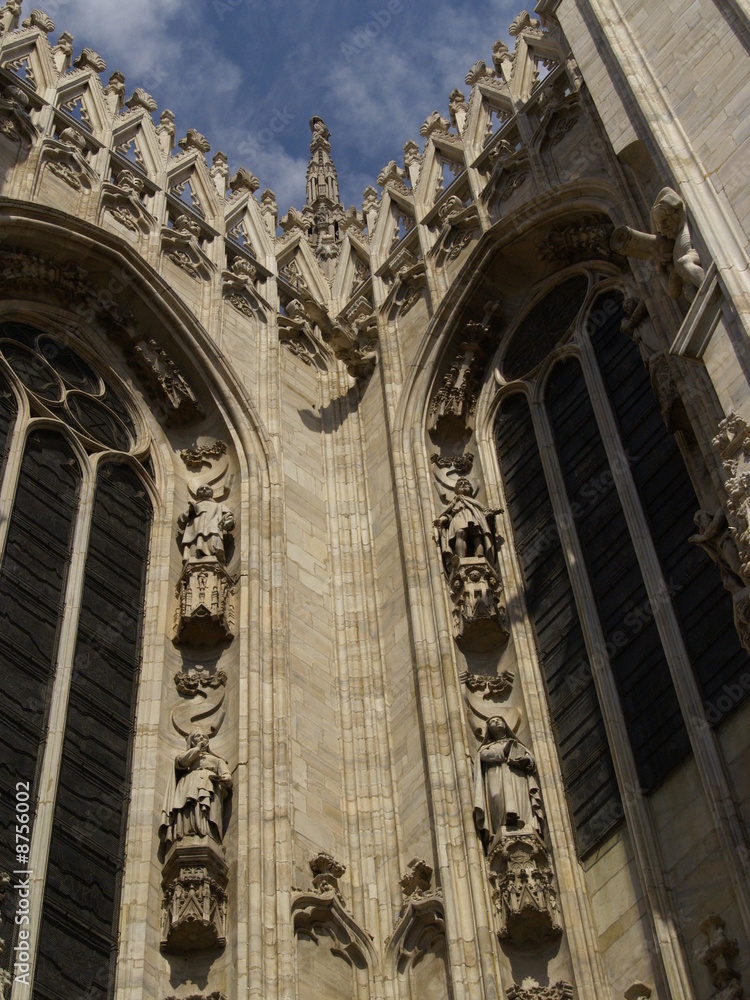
[(32, 592), (652, 715), (79, 920), (587, 768), (702, 605)]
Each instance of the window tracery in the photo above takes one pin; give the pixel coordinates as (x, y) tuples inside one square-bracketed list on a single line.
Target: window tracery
[(73, 557)]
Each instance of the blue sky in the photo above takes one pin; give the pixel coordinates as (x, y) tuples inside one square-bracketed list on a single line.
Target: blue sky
[(249, 74)]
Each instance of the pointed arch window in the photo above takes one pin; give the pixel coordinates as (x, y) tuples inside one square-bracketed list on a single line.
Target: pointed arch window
[(612, 488), (73, 558)]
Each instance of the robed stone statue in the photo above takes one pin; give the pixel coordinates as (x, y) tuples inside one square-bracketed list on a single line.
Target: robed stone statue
[(194, 801), (507, 799)]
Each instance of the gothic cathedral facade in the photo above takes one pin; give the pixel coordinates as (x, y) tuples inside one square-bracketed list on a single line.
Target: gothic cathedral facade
[(375, 583)]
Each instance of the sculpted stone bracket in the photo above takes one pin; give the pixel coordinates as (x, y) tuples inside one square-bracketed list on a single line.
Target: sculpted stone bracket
[(123, 202), (320, 913), (466, 534), (165, 383), (718, 957), (476, 591), (351, 336), (459, 226), (420, 925), (66, 158), (205, 611), (523, 890), (194, 903), (182, 246), (238, 287), (15, 123), (296, 332)]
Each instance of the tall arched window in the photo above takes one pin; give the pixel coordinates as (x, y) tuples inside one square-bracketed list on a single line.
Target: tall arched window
[(74, 548), (610, 466)]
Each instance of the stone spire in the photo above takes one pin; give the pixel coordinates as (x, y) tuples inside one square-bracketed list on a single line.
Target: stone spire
[(322, 179), (323, 203)]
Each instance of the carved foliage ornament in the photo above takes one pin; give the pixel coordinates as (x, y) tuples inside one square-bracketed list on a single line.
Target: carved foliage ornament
[(556, 991)]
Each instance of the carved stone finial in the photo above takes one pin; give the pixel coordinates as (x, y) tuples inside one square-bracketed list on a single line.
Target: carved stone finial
[(521, 22), (435, 123), (141, 99), (38, 19), (500, 54), (416, 881), (477, 72), (9, 15), (194, 140), (326, 872), (88, 59), (244, 180), (411, 153), (370, 198)]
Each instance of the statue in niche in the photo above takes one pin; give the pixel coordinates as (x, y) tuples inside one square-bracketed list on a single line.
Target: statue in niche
[(194, 801), (714, 537), (507, 799), (464, 529), (203, 527)]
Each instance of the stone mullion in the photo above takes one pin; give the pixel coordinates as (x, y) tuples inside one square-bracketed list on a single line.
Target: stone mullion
[(578, 919), (471, 943), (63, 675), (10, 474), (708, 758), (669, 950)]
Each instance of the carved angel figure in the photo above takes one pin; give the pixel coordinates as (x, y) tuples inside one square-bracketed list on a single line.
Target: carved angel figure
[(203, 527), (194, 800), (464, 528), (506, 791)]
